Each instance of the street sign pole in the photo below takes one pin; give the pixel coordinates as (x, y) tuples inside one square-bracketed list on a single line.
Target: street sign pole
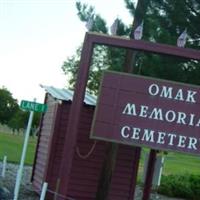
[(31, 106), (20, 170)]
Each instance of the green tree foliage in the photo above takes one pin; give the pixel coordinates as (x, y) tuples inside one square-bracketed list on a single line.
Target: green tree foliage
[(164, 21), (17, 121), (99, 63), (101, 54), (11, 114), (8, 105), (20, 120), (99, 60)]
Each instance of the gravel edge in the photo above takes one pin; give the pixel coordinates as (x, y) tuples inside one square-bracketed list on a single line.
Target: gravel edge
[(7, 186)]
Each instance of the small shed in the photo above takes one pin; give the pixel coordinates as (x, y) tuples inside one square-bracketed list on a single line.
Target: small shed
[(88, 157)]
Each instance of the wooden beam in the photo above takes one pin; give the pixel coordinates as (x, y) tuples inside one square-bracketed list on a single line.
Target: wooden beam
[(135, 167), (149, 175), (74, 116), (145, 46), (107, 172)]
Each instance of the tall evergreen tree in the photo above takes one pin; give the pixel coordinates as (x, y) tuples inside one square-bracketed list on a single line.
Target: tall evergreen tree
[(164, 21)]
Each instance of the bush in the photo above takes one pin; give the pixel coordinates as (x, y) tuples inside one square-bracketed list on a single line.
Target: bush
[(183, 186)]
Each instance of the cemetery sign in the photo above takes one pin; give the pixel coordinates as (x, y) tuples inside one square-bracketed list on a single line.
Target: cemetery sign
[(143, 111)]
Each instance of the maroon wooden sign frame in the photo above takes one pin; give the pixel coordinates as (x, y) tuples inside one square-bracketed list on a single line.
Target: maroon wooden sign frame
[(90, 40), (138, 110)]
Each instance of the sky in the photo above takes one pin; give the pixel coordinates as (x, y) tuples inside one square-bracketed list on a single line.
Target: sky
[(37, 36)]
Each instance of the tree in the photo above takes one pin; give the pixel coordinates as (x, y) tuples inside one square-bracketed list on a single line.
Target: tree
[(163, 22), (101, 55), (8, 105), (11, 114), (17, 121), (20, 121)]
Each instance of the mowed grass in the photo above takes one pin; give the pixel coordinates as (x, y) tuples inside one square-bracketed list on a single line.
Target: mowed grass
[(175, 163), (179, 163), (11, 146)]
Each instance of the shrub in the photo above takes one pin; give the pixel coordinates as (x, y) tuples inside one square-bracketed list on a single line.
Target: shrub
[(183, 186)]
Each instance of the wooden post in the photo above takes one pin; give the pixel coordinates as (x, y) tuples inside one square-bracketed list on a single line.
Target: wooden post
[(135, 167), (110, 160), (107, 171), (149, 175), (44, 190), (74, 116), (129, 67)]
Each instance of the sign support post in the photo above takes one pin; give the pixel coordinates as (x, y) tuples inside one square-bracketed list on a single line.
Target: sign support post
[(20, 170), (149, 175)]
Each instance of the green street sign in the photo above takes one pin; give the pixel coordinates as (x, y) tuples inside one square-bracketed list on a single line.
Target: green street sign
[(33, 106)]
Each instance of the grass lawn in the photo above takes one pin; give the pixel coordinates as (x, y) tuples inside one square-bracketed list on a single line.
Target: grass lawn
[(175, 163), (11, 146)]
